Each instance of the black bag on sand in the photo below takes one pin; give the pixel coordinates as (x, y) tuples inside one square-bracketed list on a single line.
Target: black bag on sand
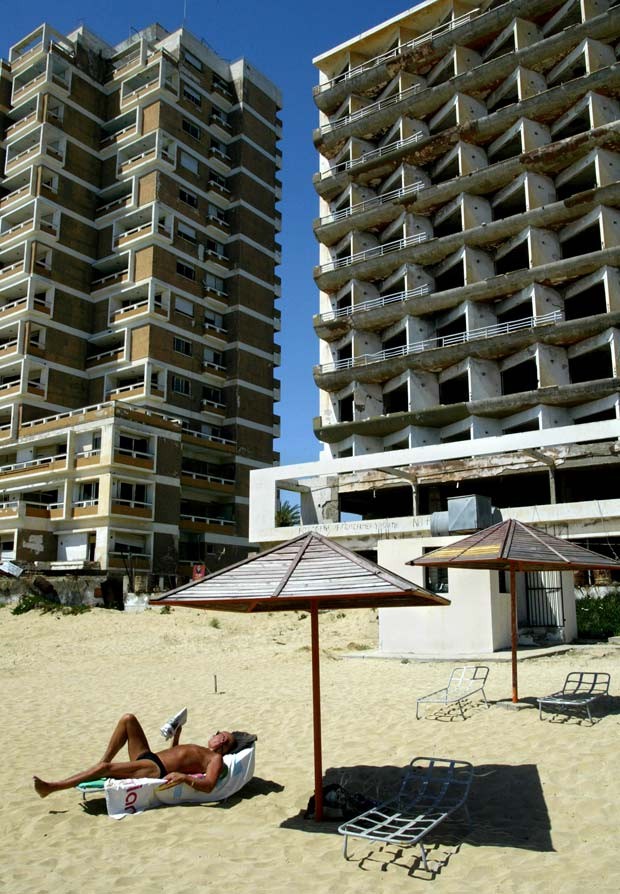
[(339, 804)]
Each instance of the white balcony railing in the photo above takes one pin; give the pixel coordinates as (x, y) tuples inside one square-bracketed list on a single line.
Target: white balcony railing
[(373, 202), (374, 303), (369, 110), (396, 51), (444, 341), (376, 251), (210, 479), (373, 154), (205, 520), (42, 462)]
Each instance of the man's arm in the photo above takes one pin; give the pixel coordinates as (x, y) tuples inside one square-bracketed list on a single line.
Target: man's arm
[(205, 783), (177, 736)]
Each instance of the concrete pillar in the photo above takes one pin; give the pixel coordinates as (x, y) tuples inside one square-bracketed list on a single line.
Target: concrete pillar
[(423, 390), (552, 365), (367, 400), (610, 227), (539, 191), (484, 379), (478, 265), (544, 247)]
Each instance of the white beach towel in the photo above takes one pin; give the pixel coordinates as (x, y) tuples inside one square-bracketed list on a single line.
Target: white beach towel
[(131, 796)]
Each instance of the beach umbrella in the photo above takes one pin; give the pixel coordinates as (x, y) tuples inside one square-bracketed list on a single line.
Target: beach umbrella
[(308, 573), (513, 546)]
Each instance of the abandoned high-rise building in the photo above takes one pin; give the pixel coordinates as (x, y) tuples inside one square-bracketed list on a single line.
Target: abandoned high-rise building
[(138, 261), (469, 228)]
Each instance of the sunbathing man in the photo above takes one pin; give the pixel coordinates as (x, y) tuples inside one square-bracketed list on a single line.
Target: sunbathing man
[(175, 764)]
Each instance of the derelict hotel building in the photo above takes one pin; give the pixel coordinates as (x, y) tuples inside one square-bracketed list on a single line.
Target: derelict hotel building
[(138, 257)]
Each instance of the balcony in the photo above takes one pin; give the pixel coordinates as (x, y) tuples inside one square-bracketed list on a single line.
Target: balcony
[(204, 523), (213, 406), (35, 509), (445, 341), (111, 279), (12, 197), (378, 106), (135, 458), (114, 205), (137, 309), (394, 52), (81, 508), (87, 458), (134, 508), (213, 482), (43, 464), (114, 355), (377, 251), (373, 155), (134, 389), (372, 304), (201, 437)]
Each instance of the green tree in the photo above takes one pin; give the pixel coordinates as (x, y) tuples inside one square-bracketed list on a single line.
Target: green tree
[(287, 515)]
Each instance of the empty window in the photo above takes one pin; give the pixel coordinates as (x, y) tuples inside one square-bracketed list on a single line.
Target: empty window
[(190, 162), (217, 180), (192, 95), (181, 386), (186, 232), (189, 198), (214, 282), (183, 306), (185, 270), (183, 346), (192, 129), (192, 60)]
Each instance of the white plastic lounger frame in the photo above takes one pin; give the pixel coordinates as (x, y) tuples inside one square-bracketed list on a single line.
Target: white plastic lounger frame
[(463, 683), (433, 788), (580, 690)]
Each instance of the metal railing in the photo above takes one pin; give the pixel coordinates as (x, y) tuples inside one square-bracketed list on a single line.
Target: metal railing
[(396, 51), (369, 110), (374, 303), (373, 202), (205, 520), (34, 463), (373, 154), (444, 341), (210, 479), (376, 251)]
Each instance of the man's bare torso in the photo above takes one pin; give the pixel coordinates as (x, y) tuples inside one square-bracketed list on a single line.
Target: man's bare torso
[(187, 758)]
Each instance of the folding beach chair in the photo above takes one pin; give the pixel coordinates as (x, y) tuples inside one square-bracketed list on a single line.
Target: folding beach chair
[(463, 683), (580, 690), (433, 788)]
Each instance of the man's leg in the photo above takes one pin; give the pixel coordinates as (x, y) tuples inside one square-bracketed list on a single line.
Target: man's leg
[(144, 769), (129, 731)]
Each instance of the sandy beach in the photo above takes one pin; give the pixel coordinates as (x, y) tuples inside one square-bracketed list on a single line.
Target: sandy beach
[(544, 803)]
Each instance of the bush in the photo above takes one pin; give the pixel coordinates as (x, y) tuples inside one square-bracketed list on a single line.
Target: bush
[(598, 618), (31, 602)]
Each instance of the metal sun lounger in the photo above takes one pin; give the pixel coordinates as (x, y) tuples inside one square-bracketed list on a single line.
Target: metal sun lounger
[(580, 690), (463, 683), (433, 788)]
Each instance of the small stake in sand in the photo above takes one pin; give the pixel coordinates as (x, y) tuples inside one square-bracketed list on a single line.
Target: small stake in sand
[(215, 683)]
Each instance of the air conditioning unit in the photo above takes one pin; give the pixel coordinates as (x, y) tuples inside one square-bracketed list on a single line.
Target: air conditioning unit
[(465, 515)]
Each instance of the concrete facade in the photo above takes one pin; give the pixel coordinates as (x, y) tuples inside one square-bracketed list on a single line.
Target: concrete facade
[(469, 282), (138, 258)]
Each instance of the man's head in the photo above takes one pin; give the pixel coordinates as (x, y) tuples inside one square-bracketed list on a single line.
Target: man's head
[(222, 742)]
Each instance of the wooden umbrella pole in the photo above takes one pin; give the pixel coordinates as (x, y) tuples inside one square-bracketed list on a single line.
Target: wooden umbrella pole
[(513, 631), (316, 712)]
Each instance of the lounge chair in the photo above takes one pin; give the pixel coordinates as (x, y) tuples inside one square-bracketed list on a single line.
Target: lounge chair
[(580, 690), (463, 683), (433, 788)]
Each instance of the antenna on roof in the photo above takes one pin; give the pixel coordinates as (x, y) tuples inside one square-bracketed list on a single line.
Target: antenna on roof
[(184, 12)]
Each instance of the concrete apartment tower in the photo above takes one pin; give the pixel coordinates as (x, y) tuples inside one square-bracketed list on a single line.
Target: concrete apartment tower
[(138, 261), (469, 318)]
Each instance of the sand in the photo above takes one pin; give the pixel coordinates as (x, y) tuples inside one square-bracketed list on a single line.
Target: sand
[(544, 803)]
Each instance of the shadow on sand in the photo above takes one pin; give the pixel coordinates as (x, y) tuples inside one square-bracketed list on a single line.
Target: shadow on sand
[(506, 806)]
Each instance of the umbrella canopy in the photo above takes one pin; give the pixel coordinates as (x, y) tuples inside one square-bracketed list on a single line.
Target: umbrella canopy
[(514, 546), (308, 573)]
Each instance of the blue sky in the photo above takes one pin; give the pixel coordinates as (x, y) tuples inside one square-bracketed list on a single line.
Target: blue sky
[(279, 37)]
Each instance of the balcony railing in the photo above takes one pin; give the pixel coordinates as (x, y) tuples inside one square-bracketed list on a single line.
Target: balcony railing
[(124, 389), (205, 436), (373, 154), (12, 196), (444, 341), (210, 479), (11, 268), (374, 202), (396, 51), (369, 110), (43, 462), (376, 251), (375, 302), (205, 520)]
